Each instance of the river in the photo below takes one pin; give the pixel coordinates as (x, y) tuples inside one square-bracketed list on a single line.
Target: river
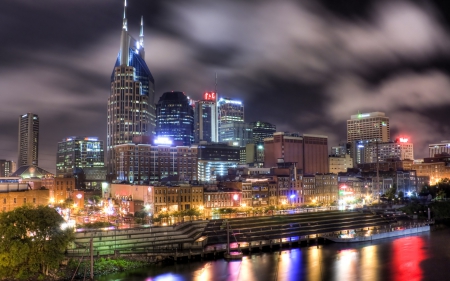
[(408, 258)]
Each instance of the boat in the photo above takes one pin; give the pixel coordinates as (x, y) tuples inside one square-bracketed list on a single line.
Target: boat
[(396, 232)]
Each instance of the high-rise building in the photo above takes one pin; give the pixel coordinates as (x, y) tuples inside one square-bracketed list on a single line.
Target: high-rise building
[(230, 112), (28, 140), (369, 127), (131, 108), (236, 133), (175, 118), (7, 167), (205, 118), (79, 152), (309, 152), (214, 159), (262, 130)]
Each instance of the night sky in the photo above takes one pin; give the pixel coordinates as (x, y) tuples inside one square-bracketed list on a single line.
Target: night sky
[(305, 66)]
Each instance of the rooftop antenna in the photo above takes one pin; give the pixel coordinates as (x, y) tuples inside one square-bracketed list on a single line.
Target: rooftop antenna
[(141, 34), (125, 25), (215, 86)]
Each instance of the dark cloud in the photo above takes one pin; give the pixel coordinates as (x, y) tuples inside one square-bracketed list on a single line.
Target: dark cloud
[(303, 65)]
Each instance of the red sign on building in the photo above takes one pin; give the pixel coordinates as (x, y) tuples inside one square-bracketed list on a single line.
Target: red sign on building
[(209, 96)]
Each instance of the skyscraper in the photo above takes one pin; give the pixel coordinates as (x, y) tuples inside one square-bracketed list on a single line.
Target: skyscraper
[(205, 118), (262, 130), (131, 108), (79, 152), (371, 127), (175, 118), (230, 112), (28, 140)]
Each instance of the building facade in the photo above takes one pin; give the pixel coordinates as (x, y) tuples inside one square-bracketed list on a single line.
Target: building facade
[(146, 163), (206, 119), (373, 126), (229, 111), (175, 118), (439, 148), (131, 108), (28, 146), (340, 163), (79, 152), (309, 152), (7, 167), (214, 159), (262, 130)]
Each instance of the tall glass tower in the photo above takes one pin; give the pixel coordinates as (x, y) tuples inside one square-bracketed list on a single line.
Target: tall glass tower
[(131, 108), (28, 140), (175, 118)]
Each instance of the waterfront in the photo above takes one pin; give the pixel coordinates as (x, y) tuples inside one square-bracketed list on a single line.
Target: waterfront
[(419, 257)]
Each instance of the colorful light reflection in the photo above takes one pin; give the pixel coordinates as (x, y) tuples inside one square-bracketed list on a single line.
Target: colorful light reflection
[(408, 253)]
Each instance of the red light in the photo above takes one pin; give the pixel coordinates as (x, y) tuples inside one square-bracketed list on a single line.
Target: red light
[(209, 96)]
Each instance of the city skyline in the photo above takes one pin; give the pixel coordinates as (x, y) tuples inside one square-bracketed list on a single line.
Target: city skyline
[(308, 66)]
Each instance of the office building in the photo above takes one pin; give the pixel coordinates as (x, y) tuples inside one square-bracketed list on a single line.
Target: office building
[(439, 148), (175, 118), (236, 133), (309, 152), (131, 108), (7, 167), (206, 119), (230, 111), (146, 163), (401, 149), (78, 152), (371, 127), (214, 160), (28, 140), (340, 163), (262, 130)]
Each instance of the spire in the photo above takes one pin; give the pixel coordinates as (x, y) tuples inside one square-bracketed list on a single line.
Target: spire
[(141, 33), (124, 40), (125, 25)]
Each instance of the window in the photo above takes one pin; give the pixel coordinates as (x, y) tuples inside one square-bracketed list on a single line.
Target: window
[(15, 199), (24, 200)]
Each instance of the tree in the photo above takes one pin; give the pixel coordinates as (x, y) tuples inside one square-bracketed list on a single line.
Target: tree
[(33, 242)]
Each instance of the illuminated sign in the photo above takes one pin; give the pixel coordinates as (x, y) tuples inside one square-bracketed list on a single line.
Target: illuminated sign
[(209, 96), (91, 139), (403, 139), (363, 115), (163, 140)]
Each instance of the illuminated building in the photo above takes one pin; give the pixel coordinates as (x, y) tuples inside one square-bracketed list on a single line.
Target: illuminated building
[(262, 130), (340, 163), (236, 133), (15, 193), (147, 163), (79, 152), (7, 167), (230, 111), (175, 118), (82, 158), (371, 127), (131, 108), (28, 140), (401, 149), (255, 154), (205, 118), (214, 159), (439, 148), (178, 198), (309, 152)]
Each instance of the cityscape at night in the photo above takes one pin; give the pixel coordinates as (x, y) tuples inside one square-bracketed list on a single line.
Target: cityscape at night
[(225, 140)]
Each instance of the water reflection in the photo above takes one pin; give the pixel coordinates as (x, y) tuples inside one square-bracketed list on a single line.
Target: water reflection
[(408, 253), (401, 259)]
